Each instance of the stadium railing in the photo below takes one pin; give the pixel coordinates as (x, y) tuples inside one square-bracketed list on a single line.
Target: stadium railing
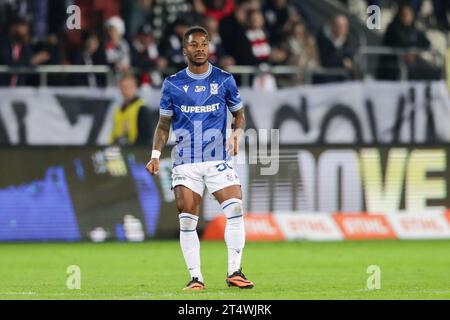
[(244, 72), (44, 71), (367, 57), (364, 62)]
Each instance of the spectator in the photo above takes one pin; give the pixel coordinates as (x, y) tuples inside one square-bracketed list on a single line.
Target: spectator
[(136, 13), (94, 13), (280, 15), (15, 51), (91, 54), (301, 49), (132, 121), (217, 9), (216, 51), (440, 8), (9, 10), (257, 37), (335, 47), (402, 33), (145, 55), (171, 45), (232, 31), (117, 49), (51, 49), (165, 13)]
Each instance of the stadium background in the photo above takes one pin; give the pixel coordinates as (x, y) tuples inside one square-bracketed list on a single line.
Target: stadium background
[(363, 154)]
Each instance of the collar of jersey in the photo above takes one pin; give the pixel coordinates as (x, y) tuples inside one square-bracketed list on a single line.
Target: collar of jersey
[(200, 76)]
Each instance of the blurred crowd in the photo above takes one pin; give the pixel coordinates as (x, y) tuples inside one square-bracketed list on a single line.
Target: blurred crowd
[(441, 9), (145, 36)]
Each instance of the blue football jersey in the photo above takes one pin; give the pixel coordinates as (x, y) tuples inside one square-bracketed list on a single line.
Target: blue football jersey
[(198, 105)]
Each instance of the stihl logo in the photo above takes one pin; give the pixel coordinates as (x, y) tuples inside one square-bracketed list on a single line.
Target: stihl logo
[(356, 226), (421, 224), (259, 226), (305, 225)]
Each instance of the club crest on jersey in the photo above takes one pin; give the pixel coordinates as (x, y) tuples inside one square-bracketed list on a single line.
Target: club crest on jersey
[(214, 88), (185, 88), (200, 88)]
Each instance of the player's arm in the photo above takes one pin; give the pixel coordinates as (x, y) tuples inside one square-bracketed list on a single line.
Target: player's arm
[(236, 108), (239, 119), (159, 141), (238, 128), (162, 128)]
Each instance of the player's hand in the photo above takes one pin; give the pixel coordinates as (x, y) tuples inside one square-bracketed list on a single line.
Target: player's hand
[(232, 144), (153, 166)]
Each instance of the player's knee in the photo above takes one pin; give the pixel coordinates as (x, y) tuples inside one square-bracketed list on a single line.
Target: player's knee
[(183, 206), (238, 207), (233, 210), (188, 222)]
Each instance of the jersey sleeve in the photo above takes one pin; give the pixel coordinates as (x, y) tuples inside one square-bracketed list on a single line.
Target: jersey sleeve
[(233, 97), (166, 105)]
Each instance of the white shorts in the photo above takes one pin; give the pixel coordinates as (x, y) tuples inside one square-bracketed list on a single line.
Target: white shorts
[(216, 175)]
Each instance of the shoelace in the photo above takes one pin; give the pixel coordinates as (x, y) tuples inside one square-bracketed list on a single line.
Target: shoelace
[(194, 280)]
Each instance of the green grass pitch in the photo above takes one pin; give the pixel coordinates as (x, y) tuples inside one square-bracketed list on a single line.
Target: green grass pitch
[(281, 270)]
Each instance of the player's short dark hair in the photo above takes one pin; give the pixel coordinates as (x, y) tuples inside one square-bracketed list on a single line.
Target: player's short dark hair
[(192, 30)]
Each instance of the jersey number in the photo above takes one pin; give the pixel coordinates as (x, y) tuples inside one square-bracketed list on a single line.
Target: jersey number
[(223, 166)]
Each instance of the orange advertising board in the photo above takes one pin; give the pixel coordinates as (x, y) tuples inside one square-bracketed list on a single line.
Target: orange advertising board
[(364, 226), (258, 227)]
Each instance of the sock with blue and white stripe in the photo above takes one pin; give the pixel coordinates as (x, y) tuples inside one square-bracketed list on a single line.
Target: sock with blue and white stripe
[(234, 233), (190, 244)]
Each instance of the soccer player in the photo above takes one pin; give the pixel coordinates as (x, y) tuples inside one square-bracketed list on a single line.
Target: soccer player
[(195, 102)]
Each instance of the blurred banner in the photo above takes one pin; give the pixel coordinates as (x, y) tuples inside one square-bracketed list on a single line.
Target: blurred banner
[(83, 193), (351, 112), (98, 194), (352, 179)]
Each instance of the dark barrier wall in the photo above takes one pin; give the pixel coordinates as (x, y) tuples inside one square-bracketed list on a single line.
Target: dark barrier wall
[(93, 193)]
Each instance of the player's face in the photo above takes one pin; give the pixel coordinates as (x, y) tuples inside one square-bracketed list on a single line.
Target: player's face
[(197, 49)]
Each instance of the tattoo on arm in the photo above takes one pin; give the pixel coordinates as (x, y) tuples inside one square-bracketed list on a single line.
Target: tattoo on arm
[(239, 119), (162, 132)]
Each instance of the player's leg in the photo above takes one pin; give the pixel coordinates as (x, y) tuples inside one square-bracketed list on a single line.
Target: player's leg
[(188, 187), (188, 205), (230, 199)]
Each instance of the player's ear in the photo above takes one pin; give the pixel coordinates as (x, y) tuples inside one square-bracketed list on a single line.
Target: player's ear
[(184, 51)]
